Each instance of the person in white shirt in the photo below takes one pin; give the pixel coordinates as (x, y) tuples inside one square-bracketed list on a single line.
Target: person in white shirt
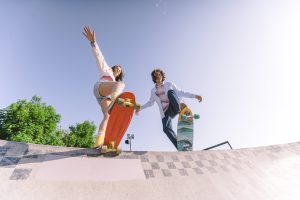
[(168, 98), (108, 87)]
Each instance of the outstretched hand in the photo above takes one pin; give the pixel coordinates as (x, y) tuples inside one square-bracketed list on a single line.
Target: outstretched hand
[(137, 110), (199, 98), (89, 34)]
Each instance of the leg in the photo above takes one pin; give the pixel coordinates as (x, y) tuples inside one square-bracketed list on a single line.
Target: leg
[(173, 103), (104, 108), (102, 90), (102, 128), (111, 88), (167, 127), (175, 106)]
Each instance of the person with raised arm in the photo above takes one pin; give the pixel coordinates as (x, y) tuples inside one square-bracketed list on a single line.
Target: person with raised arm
[(108, 87)]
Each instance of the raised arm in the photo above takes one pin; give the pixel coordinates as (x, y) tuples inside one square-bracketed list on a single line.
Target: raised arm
[(91, 37)]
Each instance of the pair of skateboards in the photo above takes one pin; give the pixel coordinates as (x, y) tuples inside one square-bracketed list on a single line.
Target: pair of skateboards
[(120, 116)]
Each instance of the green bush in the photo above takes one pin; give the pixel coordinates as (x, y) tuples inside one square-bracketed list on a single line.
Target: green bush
[(81, 135), (35, 122), (31, 122)]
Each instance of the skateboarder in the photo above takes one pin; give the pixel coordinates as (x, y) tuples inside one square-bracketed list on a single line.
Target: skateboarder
[(168, 98), (108, 87)]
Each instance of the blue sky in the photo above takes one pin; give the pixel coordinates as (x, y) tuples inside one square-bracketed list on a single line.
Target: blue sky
[(241, 56)]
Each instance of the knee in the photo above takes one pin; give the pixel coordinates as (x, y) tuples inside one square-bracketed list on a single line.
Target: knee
[(171, 92), (105, 116), (121, 85)]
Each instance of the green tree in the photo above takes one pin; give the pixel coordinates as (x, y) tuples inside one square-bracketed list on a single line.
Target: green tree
[(81, 135), (31, 122), (57, 138)]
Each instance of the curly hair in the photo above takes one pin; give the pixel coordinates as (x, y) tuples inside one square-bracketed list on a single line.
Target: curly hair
[(157, 71), (121, 75)]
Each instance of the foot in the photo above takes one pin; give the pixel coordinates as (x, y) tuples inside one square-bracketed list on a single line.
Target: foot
[(182, 106), (99, 142), (112, 152)]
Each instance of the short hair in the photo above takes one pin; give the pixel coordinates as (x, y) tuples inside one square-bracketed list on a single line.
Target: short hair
[(157, 71), (121, 75)]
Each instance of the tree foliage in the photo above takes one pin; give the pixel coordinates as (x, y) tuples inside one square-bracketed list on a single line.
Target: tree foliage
[(81, 135), (35, 122), (30, 122)]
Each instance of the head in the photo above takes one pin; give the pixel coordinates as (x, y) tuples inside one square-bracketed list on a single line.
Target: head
[(118, 72), (158, 76)]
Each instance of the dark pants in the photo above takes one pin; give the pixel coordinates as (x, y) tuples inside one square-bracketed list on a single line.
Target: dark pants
[(170, 113)]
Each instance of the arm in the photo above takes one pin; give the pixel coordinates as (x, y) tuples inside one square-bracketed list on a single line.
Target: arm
[(186, 94), (91, 37), (146, 105)]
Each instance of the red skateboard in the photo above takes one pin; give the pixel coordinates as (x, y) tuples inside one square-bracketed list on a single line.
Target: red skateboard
[(119, 120)]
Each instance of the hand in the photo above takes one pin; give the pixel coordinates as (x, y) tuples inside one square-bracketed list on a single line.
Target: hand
[(89, 34), (137, 110), (199, 98)]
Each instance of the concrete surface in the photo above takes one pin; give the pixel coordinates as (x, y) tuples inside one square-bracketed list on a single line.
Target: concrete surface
[(29, 171)]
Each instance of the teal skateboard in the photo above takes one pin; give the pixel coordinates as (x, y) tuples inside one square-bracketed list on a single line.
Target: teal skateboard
[(185, 130)]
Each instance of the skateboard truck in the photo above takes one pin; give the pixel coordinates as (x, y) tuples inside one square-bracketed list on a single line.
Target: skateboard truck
[(110, 148), (127, 103), (187, 117)]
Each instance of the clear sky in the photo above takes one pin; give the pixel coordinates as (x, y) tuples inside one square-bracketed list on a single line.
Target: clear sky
[(242, 57)]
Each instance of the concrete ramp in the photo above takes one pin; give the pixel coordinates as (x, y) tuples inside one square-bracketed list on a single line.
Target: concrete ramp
[(62, 168), (29, 171)]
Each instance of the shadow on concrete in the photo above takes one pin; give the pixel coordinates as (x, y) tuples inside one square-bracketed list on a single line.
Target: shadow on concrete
[(13, 153)]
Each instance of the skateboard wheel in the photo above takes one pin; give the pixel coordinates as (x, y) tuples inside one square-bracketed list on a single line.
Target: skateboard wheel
[(104, 149), (111, 145), (196, 116), (118, 150)]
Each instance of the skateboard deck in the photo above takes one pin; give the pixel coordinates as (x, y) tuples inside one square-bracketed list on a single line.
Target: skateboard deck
[(185, 130), (119, 120)]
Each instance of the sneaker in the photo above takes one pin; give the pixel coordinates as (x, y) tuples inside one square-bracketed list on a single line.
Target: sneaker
[(99, 142), (182, 106)]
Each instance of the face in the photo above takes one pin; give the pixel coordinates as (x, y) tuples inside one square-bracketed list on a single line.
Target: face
[(117, 71), (158, 77)]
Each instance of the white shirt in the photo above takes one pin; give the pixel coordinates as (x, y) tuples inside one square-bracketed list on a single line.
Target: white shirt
[(105, 72), (167, 86)]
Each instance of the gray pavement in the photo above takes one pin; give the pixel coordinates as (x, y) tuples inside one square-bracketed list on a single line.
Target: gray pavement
[(29, 171)]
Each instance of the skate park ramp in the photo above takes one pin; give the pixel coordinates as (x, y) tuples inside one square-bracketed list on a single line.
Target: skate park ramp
[(29, 171)]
